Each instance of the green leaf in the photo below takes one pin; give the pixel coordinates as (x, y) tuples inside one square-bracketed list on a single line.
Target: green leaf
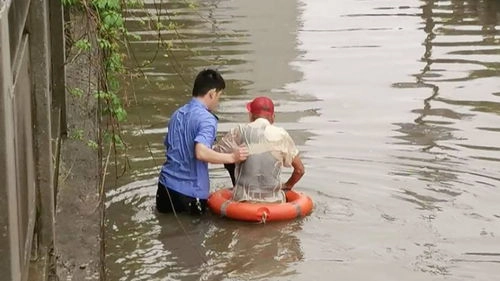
[(83, 44), (76, 134), (104, 44), (134, 36), (106, 4), (112, 19), (77, 92), (92, 144)]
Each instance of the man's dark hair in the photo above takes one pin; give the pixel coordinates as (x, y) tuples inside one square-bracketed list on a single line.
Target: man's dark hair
[(207, 80)]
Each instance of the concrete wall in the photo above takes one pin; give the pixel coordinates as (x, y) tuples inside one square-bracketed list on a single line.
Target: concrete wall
[(27, 85)]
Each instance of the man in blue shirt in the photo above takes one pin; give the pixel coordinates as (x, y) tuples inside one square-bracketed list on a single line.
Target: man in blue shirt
[(183, 184)]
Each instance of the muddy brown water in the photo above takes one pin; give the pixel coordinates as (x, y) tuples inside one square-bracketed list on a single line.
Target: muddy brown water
[(394, 105)]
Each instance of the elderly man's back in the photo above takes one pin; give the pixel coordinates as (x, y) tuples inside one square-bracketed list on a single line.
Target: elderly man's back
[(270, 148)]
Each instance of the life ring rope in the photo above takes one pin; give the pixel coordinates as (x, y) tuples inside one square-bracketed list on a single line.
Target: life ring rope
[(264, 217), (298, 205)]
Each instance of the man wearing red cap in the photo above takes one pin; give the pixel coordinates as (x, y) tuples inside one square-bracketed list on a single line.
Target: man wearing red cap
[(270, 148)]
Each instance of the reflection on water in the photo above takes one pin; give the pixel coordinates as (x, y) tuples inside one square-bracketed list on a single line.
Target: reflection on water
[(394, 105), (188, 248), (453, 127), (452, 74), (230, 250)]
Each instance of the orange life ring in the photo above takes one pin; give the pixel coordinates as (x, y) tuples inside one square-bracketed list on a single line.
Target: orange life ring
[(297, 205)]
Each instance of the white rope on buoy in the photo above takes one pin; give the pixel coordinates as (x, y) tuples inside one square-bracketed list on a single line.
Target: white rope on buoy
[(264, 217)]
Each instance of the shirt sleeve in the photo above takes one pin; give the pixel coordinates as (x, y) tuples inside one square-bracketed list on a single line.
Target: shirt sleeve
[(206, 131), (290, 152), (228, 142)]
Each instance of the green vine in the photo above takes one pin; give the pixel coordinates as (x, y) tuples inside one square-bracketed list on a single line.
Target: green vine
[(106, 16), (107, 35)]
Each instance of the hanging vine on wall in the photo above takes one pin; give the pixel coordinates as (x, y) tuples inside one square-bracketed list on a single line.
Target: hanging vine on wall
[(105, 36), (108, 36), (106, 16), (111, 41)]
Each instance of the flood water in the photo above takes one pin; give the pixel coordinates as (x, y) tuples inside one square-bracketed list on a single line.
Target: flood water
[(394, 105)]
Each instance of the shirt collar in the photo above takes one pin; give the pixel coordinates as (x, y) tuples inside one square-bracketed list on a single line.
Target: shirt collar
[(196, 102), (262, 121)]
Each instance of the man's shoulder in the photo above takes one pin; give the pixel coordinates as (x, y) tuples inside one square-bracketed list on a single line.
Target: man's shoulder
[(200, 113), (204, 115), (277, 134), (279, 130), (180, 110), (190, 112)]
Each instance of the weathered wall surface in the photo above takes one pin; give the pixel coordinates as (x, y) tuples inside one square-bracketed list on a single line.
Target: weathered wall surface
[(49, 184)]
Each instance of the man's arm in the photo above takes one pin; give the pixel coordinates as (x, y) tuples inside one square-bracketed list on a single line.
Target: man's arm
[(228, 142), (203, 153), (292, 158), (226, 145), (298, 172), (203, 143)]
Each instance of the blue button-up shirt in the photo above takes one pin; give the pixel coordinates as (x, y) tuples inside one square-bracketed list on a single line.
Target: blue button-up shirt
[(182, 172)]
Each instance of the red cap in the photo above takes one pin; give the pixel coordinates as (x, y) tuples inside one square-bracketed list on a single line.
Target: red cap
[(261, 106)]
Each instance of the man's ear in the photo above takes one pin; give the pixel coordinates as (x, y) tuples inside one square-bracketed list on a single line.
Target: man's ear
[(212, 93)]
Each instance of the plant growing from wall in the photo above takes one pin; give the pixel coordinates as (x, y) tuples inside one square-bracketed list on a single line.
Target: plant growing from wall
[(106, 37)]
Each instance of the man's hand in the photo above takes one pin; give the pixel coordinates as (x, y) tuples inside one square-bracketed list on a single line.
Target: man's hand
[(205, 154), (240, 154)]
